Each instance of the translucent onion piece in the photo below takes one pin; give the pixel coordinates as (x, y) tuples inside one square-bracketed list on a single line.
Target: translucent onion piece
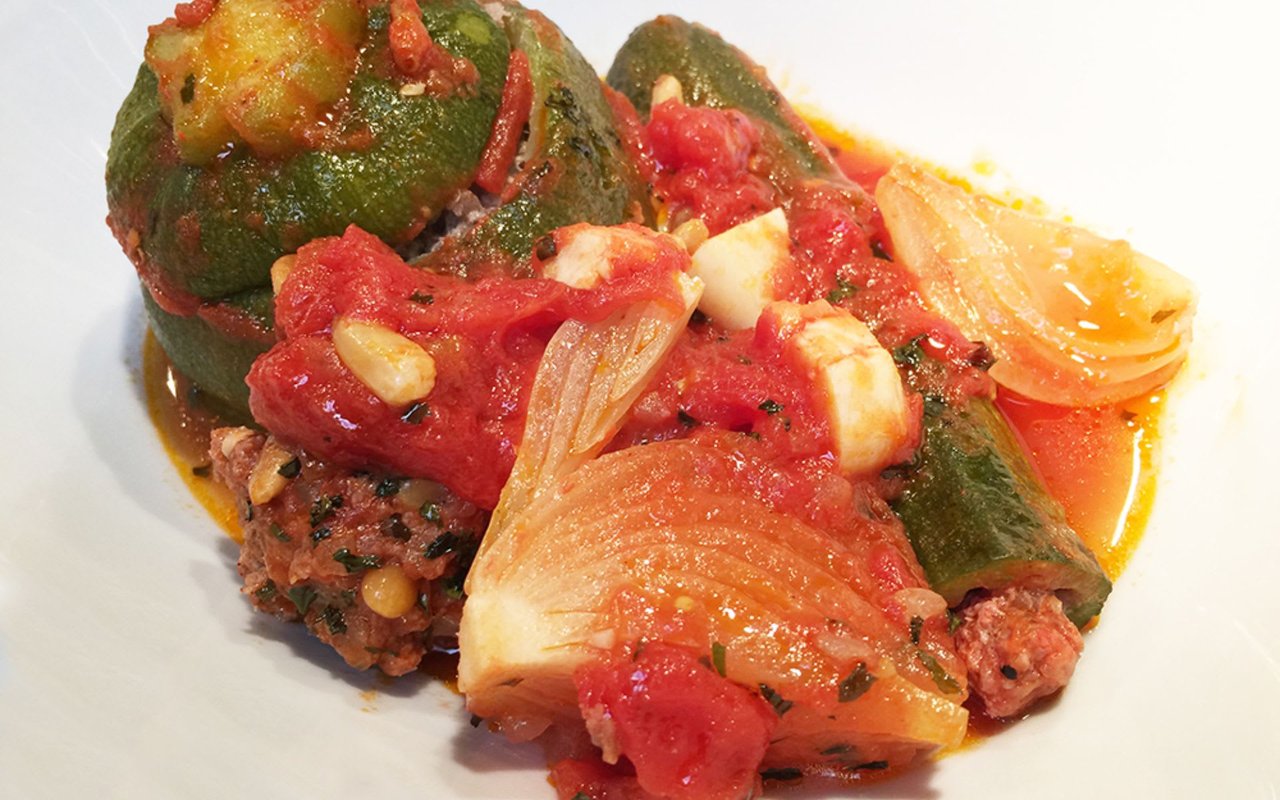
[(591, 566), (1073, 318)]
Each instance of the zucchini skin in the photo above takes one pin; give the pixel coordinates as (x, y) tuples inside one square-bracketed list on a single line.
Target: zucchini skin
[(714, 73), (214, 360), (576, 168), (975, 511), (214, 231), (978, 516)]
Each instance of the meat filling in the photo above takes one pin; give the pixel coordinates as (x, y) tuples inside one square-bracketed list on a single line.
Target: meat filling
[(372, 564), (1019, 647)]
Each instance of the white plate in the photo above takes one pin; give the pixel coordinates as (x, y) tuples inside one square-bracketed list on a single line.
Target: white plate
[(130, 667)]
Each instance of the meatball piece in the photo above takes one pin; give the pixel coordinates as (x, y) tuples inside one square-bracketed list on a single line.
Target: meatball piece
[(1019, 646), (372, 564)]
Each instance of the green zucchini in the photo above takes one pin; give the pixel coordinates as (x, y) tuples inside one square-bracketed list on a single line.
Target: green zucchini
[(214, 360), (213, 231), (576, 168), (974, 510), (714, 73), (979, 517)]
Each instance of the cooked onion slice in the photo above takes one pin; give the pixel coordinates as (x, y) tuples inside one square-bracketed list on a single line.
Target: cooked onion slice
[(1074, 319)]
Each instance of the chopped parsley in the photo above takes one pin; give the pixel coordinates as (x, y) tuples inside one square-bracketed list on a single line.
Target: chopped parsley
[(430, 512), (917, 625), (416, 413), (278, 532), (333, 620), (319, 535), (422, 299), (940, 676), (446, 542), (355, 563), (857, 684), (290, 469), (771, 696), (324, 508), (302, 597), (266, 591), (910, 354), (394, 527), (771, 407), (717, 657), (388, 487), (843, 291)]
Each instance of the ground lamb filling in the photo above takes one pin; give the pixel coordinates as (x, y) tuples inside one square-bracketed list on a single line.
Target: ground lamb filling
[(373, 564)]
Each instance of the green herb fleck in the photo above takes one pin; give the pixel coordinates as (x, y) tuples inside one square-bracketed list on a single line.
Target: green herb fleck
[(446, 542), (843, 291), (302, 597), (188, 91), (944, 681), (355, 563), (333, 620), (266, 591), (324, 508), (771, 407), (394, 527), (686, 419), (857, 684), (278, 532), (319, 535), (422, 299), (774, 699), (954, 621), (910, 354), (290, 469), (430, 512), (717, 657), (917, 625), (582, 796), (416, 413), (388, 487)]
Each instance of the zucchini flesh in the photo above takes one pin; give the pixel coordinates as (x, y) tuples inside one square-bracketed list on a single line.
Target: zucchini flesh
[(215, 230), (975, 511)]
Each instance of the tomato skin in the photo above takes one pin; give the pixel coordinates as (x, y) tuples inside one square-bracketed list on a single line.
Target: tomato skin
[(690, 733), (486, 338)]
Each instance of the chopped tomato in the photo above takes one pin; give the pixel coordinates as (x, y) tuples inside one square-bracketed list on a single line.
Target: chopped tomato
[(690, 732)]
